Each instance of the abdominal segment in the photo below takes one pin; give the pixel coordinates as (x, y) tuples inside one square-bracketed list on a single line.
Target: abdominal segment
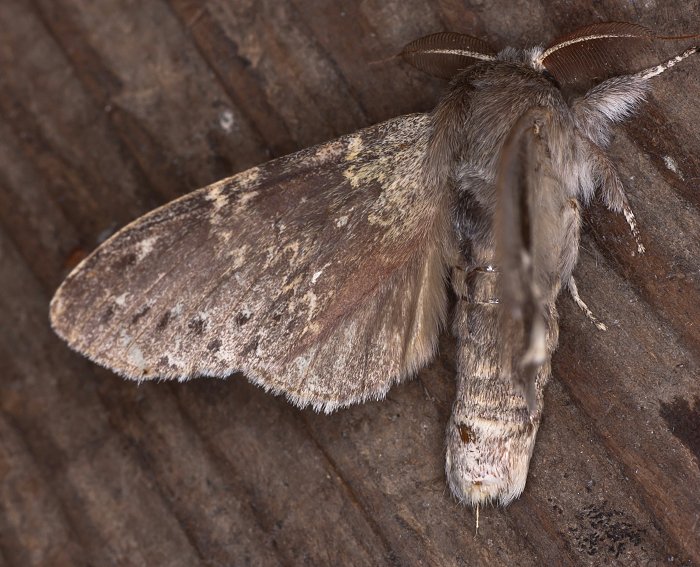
[(491, 433), (490, 439)]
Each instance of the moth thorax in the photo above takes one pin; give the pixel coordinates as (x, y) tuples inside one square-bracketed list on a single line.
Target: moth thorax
[(529, 57)]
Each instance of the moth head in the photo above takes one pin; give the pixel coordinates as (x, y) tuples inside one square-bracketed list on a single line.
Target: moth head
[(596, 50)]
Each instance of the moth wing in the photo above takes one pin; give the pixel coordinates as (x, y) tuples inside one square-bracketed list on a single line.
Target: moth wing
[(531, 229), (319, 275)]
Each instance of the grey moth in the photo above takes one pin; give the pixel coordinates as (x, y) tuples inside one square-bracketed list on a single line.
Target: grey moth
[(324, 275)]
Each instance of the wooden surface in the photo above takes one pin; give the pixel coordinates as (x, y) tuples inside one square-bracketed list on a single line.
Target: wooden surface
[(109, 108)]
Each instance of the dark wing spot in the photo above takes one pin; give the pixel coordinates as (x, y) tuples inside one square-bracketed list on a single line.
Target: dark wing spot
[(107, 315), (164, 320), (124, 262), (251, 346), (197, 325), (141, 313), (214, 345), (242, 318)]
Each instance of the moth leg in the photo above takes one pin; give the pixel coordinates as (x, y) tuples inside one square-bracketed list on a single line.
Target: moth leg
[(573, 290), (613, 101), (612, 190), (658, 69), (617, 100), (632, 223)]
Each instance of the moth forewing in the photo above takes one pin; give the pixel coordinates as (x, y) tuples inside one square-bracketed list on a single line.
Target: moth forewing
[(319, 275)]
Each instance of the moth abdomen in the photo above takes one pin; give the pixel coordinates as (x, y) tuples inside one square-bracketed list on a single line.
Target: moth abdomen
[(487, 460), (491, 433)]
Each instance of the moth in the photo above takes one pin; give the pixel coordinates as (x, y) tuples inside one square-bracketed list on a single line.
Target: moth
[(324, 275)]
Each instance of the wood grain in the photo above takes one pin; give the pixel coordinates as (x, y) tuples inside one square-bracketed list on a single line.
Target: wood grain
[(110, 108)]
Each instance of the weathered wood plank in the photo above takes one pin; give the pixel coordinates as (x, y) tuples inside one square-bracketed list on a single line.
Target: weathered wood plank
[(33, 528), (179, 145), (109, 108), (115, 512), (622, 380)]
